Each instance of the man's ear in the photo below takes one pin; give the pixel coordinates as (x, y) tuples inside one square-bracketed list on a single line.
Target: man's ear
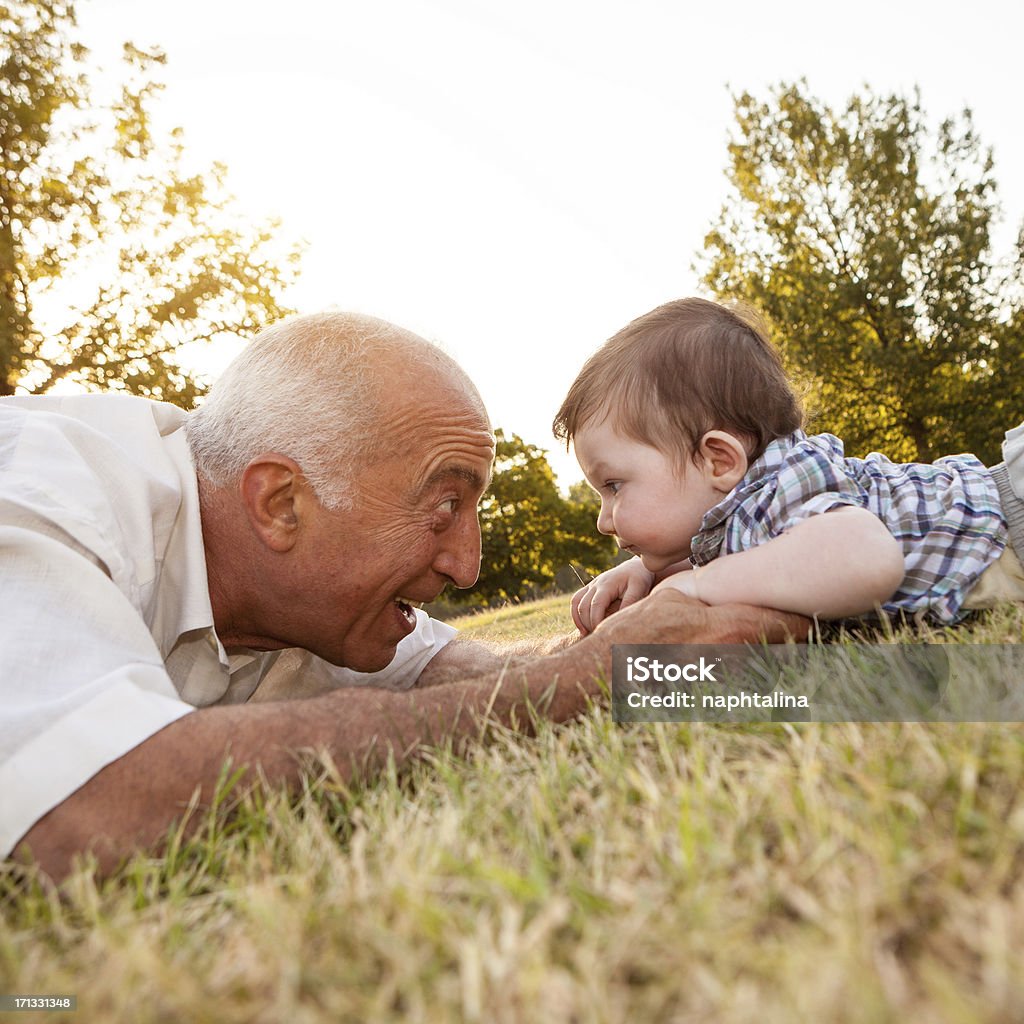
[(272, 489), (725, 459)]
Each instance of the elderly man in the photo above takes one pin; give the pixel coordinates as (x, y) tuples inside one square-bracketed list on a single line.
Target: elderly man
[(153, 567)]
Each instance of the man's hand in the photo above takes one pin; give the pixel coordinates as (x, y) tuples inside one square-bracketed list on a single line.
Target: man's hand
[(668, 617), (610, 592)]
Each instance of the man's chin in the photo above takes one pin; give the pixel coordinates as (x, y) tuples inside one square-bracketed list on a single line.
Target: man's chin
[(365, 661), (373, 648)]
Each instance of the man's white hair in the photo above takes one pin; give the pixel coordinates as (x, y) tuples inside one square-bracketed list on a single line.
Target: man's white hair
[(308, 387)]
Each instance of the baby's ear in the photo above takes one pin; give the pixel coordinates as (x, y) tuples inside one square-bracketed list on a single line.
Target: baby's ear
[(725, 459)]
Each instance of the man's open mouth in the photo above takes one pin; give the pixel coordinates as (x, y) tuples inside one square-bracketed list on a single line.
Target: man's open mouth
[(408, 608)]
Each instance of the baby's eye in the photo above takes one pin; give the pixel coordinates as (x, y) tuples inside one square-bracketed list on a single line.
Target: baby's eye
[(613, 485)]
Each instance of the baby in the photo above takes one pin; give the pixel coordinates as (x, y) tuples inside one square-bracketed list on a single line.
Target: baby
[(687, 427)]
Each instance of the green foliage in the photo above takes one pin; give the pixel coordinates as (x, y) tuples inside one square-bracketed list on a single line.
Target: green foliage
[(530, 533), (866, 241), (113, 253)]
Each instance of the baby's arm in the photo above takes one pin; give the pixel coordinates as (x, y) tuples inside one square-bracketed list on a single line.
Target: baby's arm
[(835, 565)]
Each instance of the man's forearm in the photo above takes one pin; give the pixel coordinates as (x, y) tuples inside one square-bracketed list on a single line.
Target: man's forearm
[(134, 801), (467, 659)]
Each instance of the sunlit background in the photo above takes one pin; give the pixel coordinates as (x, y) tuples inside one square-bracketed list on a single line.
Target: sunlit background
[(516, 181)]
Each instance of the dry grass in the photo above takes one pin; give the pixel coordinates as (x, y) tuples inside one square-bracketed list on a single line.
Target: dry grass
[(595, 873)]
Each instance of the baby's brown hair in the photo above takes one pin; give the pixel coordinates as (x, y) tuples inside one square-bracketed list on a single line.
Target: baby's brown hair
[(685, 368)]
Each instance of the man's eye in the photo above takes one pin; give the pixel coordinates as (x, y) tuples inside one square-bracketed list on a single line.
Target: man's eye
[(444, 512)]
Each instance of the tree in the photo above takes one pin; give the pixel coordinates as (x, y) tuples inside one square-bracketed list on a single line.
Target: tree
[(529, 531), (866, 242), (100, 213)]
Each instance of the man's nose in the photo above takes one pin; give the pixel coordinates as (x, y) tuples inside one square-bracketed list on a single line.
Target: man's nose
[(458, 557)]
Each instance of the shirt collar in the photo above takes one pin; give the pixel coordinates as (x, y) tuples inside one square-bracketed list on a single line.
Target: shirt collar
[(183, 596), (705, 546)]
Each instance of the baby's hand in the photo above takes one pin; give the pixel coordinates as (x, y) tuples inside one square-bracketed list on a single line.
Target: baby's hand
[(617, 588)]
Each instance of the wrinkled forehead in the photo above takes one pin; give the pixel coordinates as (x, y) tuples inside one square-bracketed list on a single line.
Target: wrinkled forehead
[(434, 421), (411, 366), (434, 391)]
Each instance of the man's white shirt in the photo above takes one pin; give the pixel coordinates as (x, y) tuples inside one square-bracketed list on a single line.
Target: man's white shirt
[(106, 629)]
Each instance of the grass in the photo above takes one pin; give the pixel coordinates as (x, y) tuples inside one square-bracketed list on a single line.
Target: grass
[(851, 873), (530, 620)]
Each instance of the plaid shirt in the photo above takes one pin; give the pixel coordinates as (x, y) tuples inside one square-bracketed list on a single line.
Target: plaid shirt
[(946, 514)]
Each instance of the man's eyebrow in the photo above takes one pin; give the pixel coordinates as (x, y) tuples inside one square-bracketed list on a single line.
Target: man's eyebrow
[(467, 473)]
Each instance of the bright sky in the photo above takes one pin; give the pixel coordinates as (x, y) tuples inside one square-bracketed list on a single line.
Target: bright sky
[(517, 181)]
